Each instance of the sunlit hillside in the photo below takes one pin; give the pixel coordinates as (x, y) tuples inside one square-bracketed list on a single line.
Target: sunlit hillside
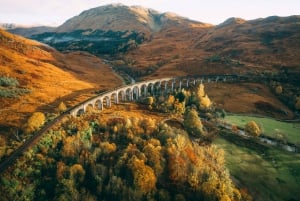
[(45, 77)]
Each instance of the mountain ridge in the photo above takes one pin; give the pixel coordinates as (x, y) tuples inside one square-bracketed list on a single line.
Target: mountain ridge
[(119, 17), (148, 42)]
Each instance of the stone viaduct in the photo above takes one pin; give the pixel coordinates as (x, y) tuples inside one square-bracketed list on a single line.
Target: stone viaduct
[(135, 91)]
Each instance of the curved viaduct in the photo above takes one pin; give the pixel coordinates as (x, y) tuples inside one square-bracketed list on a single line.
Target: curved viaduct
[(137, 90), (126, 93)]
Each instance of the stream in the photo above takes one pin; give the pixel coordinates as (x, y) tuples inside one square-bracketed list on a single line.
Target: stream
[(263, 139)]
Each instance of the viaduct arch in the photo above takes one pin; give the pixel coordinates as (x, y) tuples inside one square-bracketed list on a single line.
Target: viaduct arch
[(141, 89)]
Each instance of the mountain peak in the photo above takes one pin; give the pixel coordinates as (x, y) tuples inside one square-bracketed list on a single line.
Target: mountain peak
[(232, 21), (119, 17)]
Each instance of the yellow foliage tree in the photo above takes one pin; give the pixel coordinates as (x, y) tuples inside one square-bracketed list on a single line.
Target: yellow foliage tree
[(179, 107), (278, 89), (62, 107), (203, 100), (107, 147), (35, 121), (153, 157), (149, 125), (143, 175), (71, 146), (200, 90), (170, 101), (192, 123), (252, 128)]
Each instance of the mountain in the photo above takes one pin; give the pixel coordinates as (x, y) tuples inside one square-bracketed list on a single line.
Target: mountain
[(231, 21), (118, 17), (29, 31), (112, 29), (36, 77), (148, 43), (25, 31), (235, 46)]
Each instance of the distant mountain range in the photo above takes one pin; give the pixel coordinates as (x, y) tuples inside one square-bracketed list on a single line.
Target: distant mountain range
[(147, 42)]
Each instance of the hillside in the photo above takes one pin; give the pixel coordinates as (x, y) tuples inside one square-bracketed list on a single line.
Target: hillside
[(41, 77), (112, 29), (235, 46), (147, 42)]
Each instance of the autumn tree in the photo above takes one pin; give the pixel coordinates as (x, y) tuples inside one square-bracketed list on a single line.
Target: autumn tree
[(149, 102), (252, 128), (61, 107), (278, 89), (168, 105), (179, 107), (149, 125), (177, 166), (71, 146), (202, 99), (108, 148), (77, 173), (35, 121), (144, 178), (192, 123), (152, 152)]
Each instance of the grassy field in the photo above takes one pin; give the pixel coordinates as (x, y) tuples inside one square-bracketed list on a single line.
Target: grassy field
[(271, 127), (267, 174)]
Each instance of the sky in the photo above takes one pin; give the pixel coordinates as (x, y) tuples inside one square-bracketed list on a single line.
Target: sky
[(56, 12)]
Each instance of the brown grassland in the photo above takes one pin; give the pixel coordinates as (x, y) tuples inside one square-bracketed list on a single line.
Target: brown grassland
[(241, 98)]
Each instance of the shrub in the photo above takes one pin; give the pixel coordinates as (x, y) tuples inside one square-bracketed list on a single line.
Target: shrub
[(192, 123), (203, 100), (278, 89), (8, 82), (143, 175), (62, 107), (252, 128), (13, 93), (34, 122)]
